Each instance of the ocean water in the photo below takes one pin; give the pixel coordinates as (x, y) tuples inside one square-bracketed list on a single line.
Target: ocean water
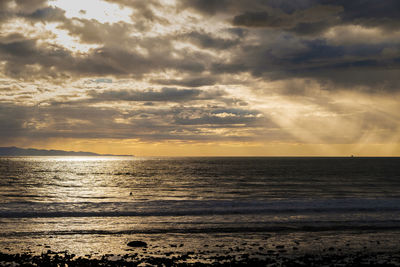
[(95, 205)]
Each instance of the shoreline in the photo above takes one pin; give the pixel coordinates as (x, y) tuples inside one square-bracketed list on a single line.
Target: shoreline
[(311, 249), (331, 257), (253, 249), (331, 248)]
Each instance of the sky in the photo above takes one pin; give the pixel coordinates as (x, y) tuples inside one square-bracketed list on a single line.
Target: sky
[(201, 77)]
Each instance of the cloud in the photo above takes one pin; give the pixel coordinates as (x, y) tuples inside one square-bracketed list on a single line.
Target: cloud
[(289, 57), (206, 6), (273, 48), (152, 123), (208, 41), (189, 81), (149, 96), (50, 60), (219, 117), (95, 32), (370, 13), (303, 17), (46, 14), (103, 80), (201, 70), (165, 94), (12, 119), (309, 21), (19, 8), (259, 19)]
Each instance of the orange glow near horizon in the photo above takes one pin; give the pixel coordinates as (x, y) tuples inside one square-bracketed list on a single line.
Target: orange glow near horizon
[(248, 149)]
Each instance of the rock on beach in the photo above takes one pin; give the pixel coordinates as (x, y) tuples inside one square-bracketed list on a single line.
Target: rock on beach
[(137, 244)]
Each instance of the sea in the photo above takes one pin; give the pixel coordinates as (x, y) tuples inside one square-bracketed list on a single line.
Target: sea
[(96, 205)]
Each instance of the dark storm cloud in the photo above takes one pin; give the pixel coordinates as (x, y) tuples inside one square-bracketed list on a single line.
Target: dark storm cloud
[(314, 28), (369, 12), (18, 48), (165, 94), (276, 19), (150, 97), (206, 6), (303, 17), (207, 41), (258, 19), (188, 82), (344, 65)]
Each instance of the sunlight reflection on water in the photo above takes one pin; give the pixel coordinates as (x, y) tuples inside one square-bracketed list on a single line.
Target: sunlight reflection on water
[(83, 203)]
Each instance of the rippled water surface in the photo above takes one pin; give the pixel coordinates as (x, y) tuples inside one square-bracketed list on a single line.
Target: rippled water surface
[(60, 199)]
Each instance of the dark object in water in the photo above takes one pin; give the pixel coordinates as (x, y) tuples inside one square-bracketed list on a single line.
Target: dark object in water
[(137, 244)]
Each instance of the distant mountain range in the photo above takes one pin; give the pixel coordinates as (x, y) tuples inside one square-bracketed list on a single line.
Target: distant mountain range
[(16, 151)]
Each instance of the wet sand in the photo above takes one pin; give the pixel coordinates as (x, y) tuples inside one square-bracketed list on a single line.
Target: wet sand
[(319, 249)]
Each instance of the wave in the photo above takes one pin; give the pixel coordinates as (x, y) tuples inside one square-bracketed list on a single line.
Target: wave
[(197, 208), (204, 212), (217, 230)]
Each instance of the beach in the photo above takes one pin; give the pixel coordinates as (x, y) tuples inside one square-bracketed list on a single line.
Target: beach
[(199, 211), (313, 249)]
